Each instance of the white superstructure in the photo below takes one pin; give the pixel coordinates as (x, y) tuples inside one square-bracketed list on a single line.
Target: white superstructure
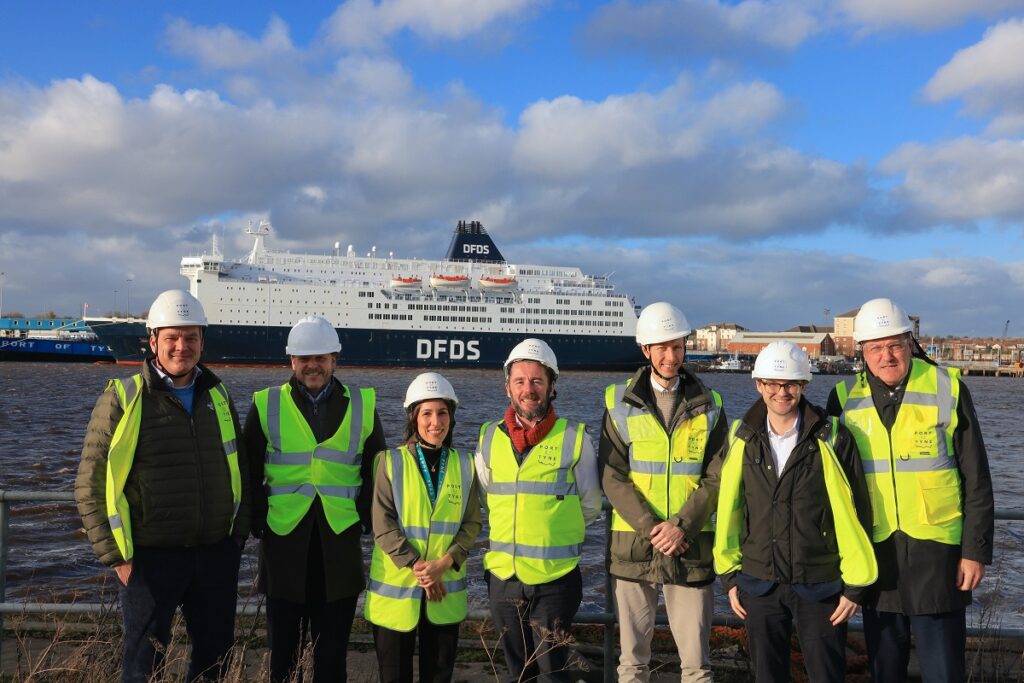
[(276, 288)]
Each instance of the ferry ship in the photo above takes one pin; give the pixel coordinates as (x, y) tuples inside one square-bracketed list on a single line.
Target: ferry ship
[(60, 340), (467, 310)]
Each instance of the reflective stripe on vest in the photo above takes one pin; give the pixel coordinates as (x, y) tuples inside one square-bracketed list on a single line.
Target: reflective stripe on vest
[(121, 455), (393, 596), (911, 471), (298, 469), (857, 564), (535, 514), (665, 470)]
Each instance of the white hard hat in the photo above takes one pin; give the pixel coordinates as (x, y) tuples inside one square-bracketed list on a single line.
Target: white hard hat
[(782, 360), (428, 386), (661, 322), (175, 308), (535, 350), (312, 336), (880, 318)]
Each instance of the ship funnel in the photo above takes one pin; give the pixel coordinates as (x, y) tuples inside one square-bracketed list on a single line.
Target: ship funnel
[(472, 243)]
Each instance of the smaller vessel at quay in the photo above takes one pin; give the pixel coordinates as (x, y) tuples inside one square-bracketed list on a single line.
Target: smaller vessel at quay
[(60, 340)]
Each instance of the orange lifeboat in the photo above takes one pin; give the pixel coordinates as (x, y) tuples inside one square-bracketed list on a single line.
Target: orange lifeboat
[(406, 283), (449, 281), (488, 282)]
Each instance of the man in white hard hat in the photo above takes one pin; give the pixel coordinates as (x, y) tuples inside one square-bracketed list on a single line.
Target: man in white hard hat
[(162, 496), (791, 542), (539, 475), (927, 472), (312, 441), (662, 443)]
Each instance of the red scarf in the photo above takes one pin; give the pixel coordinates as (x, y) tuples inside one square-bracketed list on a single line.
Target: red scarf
[(525, 438)]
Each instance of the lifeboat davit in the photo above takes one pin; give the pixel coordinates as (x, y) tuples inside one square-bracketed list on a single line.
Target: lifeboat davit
[(449, 281), (488, 282), (406, 283)]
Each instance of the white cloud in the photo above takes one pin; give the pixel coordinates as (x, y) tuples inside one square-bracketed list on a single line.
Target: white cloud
[(117, 165), (921, 14), (949, 276), (774, 288), (366, 24), (568, 137), (696, 27), (964, 180), (372, 78), (756, 29), (988, 76), (222, 47)]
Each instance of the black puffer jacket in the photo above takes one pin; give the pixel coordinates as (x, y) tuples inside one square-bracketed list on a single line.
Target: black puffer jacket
[(179, 487), (789, 532)]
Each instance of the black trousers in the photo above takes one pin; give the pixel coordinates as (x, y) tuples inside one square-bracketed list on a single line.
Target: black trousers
[(769, 622), (530, 621), (204, 581), (940, 639), (329, 626), (438, 643)]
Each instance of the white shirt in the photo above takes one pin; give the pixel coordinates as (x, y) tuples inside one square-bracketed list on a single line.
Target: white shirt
[(783, 444), (587, 482), (660, 389)]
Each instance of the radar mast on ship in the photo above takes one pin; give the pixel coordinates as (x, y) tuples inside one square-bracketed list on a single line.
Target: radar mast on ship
[(260, 231)]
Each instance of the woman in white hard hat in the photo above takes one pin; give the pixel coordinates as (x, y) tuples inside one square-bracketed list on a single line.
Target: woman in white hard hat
[(791, 543), (426, 517)]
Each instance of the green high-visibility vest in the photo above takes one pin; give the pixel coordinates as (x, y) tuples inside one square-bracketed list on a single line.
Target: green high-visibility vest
[(393, 596), (665, 469), (911, 470), (857, 564), (121, 454), (535, 514), (297, 468)]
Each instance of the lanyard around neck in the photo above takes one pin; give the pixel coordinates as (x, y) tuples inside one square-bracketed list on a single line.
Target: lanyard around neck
[(422, 461)]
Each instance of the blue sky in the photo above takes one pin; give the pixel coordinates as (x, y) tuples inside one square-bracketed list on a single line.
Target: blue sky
[(752, 162)]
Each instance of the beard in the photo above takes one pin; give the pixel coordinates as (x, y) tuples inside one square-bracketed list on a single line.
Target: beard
[(531, 415)]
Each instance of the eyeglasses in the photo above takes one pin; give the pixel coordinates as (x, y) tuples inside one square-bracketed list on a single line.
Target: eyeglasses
[(895, 348), (776, 387)]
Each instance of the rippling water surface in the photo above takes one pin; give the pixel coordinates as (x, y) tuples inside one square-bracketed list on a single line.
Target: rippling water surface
[(44, 409)]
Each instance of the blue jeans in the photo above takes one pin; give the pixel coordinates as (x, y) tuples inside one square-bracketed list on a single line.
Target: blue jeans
[(203, 580), (940, 639)]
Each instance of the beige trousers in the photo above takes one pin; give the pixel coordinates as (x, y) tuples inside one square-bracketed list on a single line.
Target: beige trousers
[(689, 617)]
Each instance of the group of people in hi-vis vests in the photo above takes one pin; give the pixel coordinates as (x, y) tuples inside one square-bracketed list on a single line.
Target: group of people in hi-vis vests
[(881, 501)]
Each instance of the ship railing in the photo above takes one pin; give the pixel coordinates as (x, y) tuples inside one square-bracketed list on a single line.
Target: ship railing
[(606, 617)]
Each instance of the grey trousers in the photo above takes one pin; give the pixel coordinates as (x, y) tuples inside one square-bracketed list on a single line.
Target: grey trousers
[(689, 617)]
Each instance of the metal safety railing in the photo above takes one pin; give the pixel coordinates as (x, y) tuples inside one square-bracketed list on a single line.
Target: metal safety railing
[(605, 618)]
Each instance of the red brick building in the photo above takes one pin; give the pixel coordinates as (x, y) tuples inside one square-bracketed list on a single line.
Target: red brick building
[(816, 344)]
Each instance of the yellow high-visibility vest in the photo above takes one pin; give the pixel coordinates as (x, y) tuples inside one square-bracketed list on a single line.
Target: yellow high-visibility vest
[(535, 514), (857, 564), (121, 455), (665, 469), (911, 471), (298, 468), (393, 596)]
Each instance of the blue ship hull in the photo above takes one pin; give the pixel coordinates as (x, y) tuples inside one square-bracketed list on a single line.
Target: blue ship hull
[(254, 345), (54, 350)]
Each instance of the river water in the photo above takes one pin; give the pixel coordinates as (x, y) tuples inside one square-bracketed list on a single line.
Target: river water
[(44, 409)]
